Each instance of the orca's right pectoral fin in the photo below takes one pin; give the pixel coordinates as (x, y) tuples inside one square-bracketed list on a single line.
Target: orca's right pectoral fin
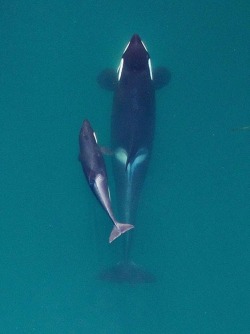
[(107, 79), (161, 76), (106, 151)]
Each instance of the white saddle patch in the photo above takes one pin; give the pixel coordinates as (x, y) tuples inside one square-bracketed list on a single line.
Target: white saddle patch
[(121, 155), (141, 156)]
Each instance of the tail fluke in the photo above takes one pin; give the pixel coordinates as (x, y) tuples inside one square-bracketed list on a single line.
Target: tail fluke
[(127, 273), (118, 229)]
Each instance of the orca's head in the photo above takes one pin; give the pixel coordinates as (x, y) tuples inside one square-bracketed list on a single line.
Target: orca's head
[(86, 129), (87, 133), (135, 57)]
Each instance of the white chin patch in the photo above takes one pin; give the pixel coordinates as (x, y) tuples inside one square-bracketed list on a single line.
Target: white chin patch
[(120, 68), (150, 68)]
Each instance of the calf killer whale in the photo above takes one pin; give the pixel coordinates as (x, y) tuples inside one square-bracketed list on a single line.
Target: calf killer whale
[(132, 132), (93, 166)]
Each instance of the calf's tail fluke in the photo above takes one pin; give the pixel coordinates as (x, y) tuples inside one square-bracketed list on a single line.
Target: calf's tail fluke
[(127, 272), (119, 229)]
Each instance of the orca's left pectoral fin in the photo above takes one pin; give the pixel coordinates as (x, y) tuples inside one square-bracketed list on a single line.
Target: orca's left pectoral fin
[(107, 79), (162, 77)]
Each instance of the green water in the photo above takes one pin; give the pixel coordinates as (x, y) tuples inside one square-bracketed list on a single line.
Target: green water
[(193, 221)]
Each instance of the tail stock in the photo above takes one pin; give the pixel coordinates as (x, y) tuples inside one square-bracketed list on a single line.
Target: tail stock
[(127, 273)]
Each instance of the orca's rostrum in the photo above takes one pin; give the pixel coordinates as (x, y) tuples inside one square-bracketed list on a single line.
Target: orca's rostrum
[(132, 132)]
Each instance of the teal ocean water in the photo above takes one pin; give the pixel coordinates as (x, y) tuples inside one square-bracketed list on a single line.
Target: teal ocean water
[(192, 227)]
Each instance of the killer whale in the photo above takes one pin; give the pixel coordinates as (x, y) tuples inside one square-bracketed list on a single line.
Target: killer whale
[(94, 168), (132, 133)]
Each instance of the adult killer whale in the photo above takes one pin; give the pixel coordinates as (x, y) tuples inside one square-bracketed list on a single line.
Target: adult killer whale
[(132, 132), (94, 168)]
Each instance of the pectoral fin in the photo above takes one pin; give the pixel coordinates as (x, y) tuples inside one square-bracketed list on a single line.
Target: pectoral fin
[(107, 79), (161, 77), (106, 150)]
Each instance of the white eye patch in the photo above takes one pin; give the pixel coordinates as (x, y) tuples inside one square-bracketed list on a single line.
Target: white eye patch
[(144, 46), (126, 47), (119, 70), (95, 137), (150, 68)]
